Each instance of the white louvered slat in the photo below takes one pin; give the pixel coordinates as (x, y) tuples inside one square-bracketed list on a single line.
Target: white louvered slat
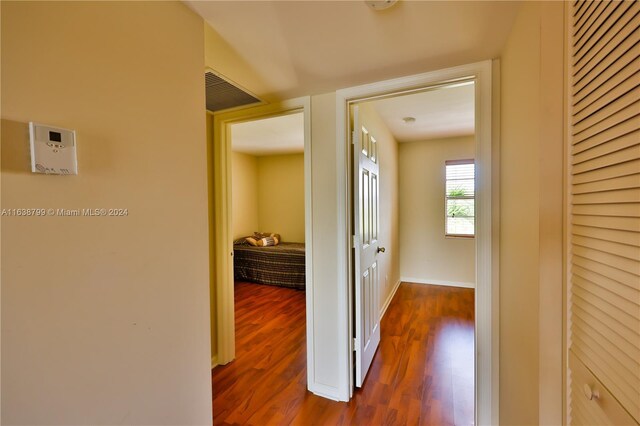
[(609, 134), (597, 123), (601, 31), (600, 314), (623, 169), (616, 222), (598, 296), (624, 182), (609, 289), (585, 151), (621, 360), (583, 17), (620, 196), (623, 250), (619, 336), (600, 35), (628, 210), (597, 43), (614, 82), (611, 159), (579, 7), (595, 18), (618, 262), (622, 237), (603, 249), (630, 280), (613, 100), (592, 303), (608, 66)]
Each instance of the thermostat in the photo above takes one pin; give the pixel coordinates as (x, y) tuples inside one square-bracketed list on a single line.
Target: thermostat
[(53, 150)]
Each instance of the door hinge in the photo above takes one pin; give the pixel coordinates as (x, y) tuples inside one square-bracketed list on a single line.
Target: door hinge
[(353, 137), (355, 344), (353, 241)]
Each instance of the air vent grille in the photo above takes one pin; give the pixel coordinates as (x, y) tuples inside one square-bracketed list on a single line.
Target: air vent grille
[(222, 95)]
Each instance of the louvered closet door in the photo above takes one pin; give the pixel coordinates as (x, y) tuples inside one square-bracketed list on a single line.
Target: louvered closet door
[(604, 242)]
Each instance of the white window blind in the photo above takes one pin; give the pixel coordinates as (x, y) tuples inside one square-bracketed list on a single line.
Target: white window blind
[(603, 314), (460, 198)]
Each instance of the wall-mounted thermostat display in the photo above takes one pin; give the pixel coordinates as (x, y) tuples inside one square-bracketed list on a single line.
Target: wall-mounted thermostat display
[(53, 150)]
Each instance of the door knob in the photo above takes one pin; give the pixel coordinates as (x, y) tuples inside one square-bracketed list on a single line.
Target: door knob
[(381, 249), (591, 394)]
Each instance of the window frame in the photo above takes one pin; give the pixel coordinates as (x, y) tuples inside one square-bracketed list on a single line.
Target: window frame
[(446, 198)]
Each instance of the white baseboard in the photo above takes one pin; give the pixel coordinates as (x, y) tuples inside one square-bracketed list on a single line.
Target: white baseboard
[(437, 282), (325, 391), (214, 361), (389, 299)]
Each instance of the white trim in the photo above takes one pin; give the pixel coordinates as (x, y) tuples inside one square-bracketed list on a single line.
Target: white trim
[(224, 239), (567, 200), (324, 391), (214, 361), (487, 291), (389, 299), (429, 281)]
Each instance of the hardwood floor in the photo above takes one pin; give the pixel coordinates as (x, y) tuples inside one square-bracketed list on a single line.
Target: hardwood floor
[(422, 372)]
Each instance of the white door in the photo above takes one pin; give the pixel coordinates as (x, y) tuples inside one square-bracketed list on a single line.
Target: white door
[(366, 249)]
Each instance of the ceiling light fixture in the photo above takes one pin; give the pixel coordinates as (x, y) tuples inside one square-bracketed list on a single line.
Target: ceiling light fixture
[(380, 4), (409, 120)]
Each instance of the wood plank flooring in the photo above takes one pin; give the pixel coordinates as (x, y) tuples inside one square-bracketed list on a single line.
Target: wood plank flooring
[(422, 373)]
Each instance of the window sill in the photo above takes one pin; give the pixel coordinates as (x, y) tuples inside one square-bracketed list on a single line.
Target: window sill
[(464, 237)]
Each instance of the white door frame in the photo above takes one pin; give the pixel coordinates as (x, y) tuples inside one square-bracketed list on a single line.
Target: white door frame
[(223, 238), (487, 233)]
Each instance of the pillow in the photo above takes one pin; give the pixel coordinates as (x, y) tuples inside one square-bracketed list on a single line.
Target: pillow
[(241, 241), (252, 241), (262, 235), (267, 241)]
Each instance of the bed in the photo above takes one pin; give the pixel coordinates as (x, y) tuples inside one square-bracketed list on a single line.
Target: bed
[(282, 265)]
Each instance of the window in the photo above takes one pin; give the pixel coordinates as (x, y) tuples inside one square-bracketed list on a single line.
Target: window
[(460, 198)]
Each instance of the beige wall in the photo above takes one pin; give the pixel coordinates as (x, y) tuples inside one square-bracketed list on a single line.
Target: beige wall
[(426, 255), (244, 194), (225, 60), (531, 215), (389, 261), (324, 297), (281, 195), (268, 195), (105, 320)]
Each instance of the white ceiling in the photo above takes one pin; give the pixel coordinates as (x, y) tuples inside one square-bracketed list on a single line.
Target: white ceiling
[(441, 113), (276, 135), (297, 48)]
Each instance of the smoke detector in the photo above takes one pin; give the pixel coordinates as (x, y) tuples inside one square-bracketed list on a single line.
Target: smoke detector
[(380, 4)]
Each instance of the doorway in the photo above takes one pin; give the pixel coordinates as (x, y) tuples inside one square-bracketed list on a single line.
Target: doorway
[(486, 209), (413, 216), (223, 212)]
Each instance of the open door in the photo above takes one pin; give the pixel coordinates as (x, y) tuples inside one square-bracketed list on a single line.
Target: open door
[(366, 249)]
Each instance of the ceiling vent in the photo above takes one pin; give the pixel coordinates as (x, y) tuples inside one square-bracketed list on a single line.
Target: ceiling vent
[(222, 94)]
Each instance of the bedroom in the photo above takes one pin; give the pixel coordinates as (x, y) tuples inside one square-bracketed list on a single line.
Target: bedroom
[(268, 199), (268, 232)]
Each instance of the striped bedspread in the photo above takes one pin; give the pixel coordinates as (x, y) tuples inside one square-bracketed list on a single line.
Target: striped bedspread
[(282, 265)]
